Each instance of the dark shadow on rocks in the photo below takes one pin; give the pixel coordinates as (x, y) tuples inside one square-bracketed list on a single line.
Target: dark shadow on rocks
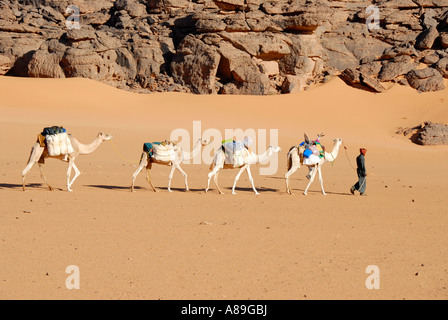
[(20, 67)]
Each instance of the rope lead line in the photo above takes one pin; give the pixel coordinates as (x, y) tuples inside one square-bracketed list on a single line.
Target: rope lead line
[(348, 159), (121, 155)]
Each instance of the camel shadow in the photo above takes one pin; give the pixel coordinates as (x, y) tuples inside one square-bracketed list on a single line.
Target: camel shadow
[(327, 192), (109, 187), (19, 186), (283, 178), (259, 189), (181, 189)]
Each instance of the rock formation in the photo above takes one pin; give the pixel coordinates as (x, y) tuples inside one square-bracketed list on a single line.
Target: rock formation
[(228, 46), (427, 134)]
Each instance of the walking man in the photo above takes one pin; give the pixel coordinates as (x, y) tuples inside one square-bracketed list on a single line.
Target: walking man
[(362, 174)]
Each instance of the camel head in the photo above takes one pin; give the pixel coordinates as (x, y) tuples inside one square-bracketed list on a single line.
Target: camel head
[(337, 141), (275, 149), (205, 142), (104, 136)]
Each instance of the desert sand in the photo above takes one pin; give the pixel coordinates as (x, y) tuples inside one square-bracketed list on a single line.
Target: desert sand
[(192, 245)]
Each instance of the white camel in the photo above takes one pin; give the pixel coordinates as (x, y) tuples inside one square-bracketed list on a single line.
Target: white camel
[(295, 158), (177, 156), (219, 163), (39, 154)]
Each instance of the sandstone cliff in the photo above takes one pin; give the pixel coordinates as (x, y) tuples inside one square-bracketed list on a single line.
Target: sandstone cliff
[(228, 46)]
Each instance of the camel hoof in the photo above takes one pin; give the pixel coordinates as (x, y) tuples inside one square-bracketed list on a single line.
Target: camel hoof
[(69, 190), (233, 192), (305, 194), (257, 193)]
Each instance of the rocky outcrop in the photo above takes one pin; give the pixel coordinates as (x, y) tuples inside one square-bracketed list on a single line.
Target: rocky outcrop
[(432, 134), (228, 46), (398, 66), (362, 78), (427, 133), (5, 64), (195, 65), (425, 80), (426, 39)]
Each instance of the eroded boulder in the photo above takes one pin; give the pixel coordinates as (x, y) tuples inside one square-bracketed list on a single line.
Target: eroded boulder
[(195, 65), (425, 80)]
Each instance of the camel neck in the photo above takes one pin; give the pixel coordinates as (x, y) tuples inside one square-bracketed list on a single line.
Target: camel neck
[(265, 155), (89, 148), (334, 153), (196, 149)]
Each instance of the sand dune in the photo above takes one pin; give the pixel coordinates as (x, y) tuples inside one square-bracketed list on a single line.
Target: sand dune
[(191, 245)]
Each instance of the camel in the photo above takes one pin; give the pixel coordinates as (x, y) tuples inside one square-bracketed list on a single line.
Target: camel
[(39, 154), (295, 158), (219, 163), (147, 161)]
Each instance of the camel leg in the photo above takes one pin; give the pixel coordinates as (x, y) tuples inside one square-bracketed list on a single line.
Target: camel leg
[(77, 173), (210, 175), (148, 176), (25, 171), (69, 172), (237, 178), (42, 175), (287, 175), (251, 179), (294, 162), (184, 174), (143, 163), (321, 180), (170, 177), (313, 175), (217, 184), (35, 155)]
